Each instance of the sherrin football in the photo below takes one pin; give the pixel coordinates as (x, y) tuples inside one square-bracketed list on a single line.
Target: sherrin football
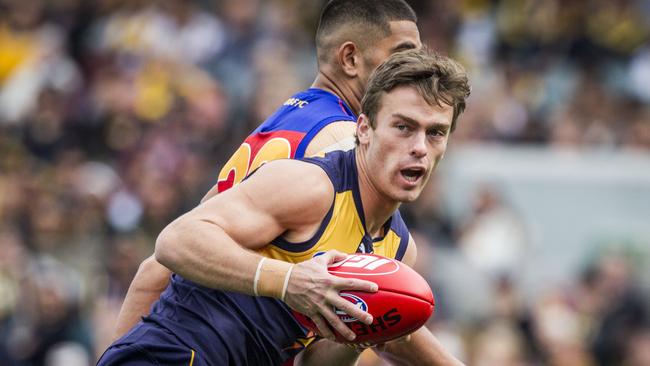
[(401, 305)]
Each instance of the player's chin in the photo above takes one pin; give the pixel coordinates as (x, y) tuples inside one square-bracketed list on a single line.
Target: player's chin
[(406, 191), (408, 195), (411, 197)]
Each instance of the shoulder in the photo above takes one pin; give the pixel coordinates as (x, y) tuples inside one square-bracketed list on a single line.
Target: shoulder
[(310, 178), (411, 254), (339, 166), (295, 190), (398, 227), (337, 135)]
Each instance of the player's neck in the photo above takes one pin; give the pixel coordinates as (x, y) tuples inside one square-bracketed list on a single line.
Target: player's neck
[(377, 208), (342, 89)]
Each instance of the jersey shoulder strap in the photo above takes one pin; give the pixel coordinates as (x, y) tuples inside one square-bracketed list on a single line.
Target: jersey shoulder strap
[(398, 226), (336, 164)]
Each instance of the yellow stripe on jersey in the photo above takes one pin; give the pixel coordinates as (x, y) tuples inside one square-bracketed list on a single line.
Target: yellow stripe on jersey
[(344, 232), (388, 246)]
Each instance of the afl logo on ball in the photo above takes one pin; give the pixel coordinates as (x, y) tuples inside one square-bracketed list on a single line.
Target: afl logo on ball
[(357, 301), (364, 265)]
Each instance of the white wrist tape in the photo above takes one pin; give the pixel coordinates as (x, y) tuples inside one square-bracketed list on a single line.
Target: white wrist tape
[(257, 276), (286, 282), (272, 278)]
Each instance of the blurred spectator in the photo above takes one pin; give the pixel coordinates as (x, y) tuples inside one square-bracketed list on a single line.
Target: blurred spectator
[(48, 324), (498, 344), (620, 311), (33, 57), (493, 237), (560, 331)]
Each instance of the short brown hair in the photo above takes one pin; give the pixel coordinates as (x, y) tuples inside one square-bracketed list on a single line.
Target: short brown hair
[(437, 78)]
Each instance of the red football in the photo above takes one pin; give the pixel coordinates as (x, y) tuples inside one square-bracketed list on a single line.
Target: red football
[(402, 304)]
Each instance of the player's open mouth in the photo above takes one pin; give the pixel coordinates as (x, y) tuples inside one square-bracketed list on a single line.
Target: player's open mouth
[(412, 174)]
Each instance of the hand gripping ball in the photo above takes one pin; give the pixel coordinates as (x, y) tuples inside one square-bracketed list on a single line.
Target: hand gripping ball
[(402, 304)]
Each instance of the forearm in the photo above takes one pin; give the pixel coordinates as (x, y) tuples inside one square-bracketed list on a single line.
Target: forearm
[(422, 348), (325, 352), (202, 252), (147, 285)]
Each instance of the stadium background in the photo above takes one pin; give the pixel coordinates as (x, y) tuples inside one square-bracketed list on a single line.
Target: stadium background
[(115, 116)]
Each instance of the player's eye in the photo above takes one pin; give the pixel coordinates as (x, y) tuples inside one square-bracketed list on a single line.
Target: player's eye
[(403, 127), (436, 133)]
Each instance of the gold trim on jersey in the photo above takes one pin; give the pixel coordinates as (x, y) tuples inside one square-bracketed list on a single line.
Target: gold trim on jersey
[(344, 232)]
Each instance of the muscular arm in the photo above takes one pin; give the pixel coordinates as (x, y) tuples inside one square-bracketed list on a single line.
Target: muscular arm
[(146, 287), (214, 243), (152, 277)]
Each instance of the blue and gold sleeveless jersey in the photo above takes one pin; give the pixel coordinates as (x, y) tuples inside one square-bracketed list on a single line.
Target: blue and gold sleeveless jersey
[(344, 227), (236, 329), (285, 134)]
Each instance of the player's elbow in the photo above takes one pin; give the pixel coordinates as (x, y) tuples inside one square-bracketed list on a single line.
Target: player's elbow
[(168, 251), (151, 276)]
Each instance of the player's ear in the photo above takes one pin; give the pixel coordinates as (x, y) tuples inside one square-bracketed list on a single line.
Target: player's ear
[(349, 57), (363, 129)]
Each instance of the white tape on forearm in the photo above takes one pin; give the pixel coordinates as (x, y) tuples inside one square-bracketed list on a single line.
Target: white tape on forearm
[(257, 276), (286, 282), (273, 274)]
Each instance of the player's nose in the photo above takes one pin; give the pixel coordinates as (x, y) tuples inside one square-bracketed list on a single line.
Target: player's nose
[(419, 146)]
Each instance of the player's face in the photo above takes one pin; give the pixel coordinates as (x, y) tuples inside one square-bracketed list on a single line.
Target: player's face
[(409, 139), (404, 35)]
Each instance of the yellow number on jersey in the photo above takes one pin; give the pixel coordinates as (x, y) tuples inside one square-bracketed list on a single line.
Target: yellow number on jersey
[(239, 165)]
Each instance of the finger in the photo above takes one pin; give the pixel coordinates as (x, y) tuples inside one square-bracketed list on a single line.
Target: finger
[(337, 324), (323, 329), (350, 309), (332, 256), (355, 284)]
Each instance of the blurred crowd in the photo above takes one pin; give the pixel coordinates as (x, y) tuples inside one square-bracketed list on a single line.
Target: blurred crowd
[(115, 116)]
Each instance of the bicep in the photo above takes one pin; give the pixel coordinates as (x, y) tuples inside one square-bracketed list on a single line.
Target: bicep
[(276, 199), (240, 216)]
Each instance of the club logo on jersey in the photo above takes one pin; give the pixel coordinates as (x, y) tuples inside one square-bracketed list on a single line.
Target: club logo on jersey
[(357, 301), (295, 102)]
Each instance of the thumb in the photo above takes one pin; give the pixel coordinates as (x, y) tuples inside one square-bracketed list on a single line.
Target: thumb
[(333, 256)]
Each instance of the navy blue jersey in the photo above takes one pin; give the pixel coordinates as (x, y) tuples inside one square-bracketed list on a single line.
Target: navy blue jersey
[(227, 328)]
